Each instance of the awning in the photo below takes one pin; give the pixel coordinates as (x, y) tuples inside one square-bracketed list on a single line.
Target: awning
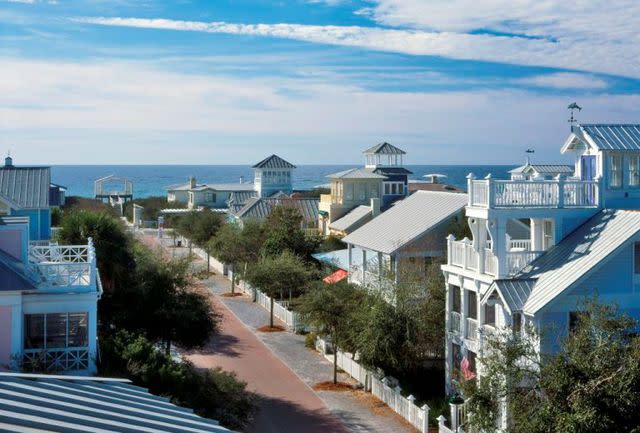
[(338, 275)]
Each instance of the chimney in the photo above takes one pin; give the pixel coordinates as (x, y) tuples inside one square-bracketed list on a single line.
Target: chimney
[(8, 161), (192, 182), (241, 179), (375, 207)]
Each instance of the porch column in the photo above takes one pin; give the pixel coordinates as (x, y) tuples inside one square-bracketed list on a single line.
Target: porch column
[(537, 229), (498, 230)]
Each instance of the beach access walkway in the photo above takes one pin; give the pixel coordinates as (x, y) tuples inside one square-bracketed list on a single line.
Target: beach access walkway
[(281, 370)]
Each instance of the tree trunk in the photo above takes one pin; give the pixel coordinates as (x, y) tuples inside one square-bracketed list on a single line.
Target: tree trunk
[(335, 363), (271, 315), (233, 278)]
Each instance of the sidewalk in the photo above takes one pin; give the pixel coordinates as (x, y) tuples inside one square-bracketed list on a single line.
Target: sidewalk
[(359, 411)]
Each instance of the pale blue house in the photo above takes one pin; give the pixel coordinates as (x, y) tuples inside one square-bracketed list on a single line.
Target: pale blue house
[(584, 240)]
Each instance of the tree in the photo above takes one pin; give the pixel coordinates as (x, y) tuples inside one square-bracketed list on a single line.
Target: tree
[(228, 246), (113, 245), (201, 227), (590, 385), (328, 308), (275, 275), (163, 305), (283, 232)]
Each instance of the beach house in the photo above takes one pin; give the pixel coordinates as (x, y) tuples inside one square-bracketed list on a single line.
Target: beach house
[(48, 292), (359, 194), (259, 209), (584, 239), (271, 175)]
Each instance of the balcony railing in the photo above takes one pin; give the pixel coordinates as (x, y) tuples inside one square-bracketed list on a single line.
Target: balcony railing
[(56, 360), (63, 265), (472, 329), (462, 254), (455, 322), (559, 193)]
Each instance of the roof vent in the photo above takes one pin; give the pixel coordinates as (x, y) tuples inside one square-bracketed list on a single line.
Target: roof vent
[(8, 161)]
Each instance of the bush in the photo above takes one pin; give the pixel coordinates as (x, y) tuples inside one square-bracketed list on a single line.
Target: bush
[(152, 207), (212, 393), (310, 340)]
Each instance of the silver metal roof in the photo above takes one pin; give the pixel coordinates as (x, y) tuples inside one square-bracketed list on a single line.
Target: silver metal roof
[(26, 187), (260, 208), (233, 187), (35, 402), (353, 219), (514, 292), (613, 137), (384, 149), (579, 253), (274, 161), (407, 220), (356, 173), (544, 169), (239, 198)]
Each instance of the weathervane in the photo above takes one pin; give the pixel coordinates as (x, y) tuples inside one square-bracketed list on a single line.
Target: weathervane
[(529, 152), (573, 106)]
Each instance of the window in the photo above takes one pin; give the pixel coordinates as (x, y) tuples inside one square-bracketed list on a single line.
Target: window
[(472, 305), (456, 354), (547, 236), (516, 318), (490, 315), (455, 304), (55, 331), (349, 191), (636, 258), (615, 179), (209, 197), (387, 189), (634, 171)]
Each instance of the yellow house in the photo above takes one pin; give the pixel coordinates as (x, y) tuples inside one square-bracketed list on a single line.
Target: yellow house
[(349, 189)]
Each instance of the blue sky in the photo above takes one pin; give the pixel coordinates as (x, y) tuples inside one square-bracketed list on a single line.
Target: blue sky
[(317, 81)]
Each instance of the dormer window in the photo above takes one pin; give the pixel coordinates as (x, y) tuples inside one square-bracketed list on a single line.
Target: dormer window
[(615, 175)]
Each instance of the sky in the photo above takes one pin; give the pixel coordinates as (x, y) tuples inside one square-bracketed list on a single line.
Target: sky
[(315, 81)]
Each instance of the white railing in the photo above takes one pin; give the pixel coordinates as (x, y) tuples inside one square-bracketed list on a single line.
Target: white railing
[(404, 406), (557, 193), (455, 322), (519, 244), (518, 260), (490, 262), (63, 265), (52, 360), (462, 254), (472, 329)]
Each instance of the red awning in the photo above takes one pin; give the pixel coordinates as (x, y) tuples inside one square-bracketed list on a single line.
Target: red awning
[(338, 275)]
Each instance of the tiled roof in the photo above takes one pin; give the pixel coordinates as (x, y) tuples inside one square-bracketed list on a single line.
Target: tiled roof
[(261, 208), (613, 137), (385, 149), (407, 220), (578, 254), (274, 161), (352, 220), (42, 403), (26, 187), (356, 173)]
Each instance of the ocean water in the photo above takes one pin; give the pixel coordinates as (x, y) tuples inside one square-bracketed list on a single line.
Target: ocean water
[(152, 180)]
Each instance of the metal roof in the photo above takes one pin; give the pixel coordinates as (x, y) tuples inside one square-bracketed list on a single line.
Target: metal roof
[(36, 402), (613, 137), (384, 148), (391, 170), (513, 292), (544, 168), (356, 173), (407, 220), (261, 208), (274, 161), (26, 187), (224, 187), (353, 219), (239, 198), (579, 253)]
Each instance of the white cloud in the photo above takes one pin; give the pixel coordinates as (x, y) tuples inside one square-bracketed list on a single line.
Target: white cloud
[(564, 80), (617, 58), (119, 109)]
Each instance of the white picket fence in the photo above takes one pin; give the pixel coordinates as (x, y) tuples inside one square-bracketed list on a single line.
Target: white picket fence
[(392, 397), (290, 318)]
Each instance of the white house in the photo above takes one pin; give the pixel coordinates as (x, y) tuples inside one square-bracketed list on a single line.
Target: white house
[(272, 175), (581, 243), (48, 301), (215, 196)]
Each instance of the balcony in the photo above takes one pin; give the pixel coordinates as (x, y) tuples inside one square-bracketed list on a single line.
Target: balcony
[(550, 194), (462, 254), (56, 360), (59, 266)]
